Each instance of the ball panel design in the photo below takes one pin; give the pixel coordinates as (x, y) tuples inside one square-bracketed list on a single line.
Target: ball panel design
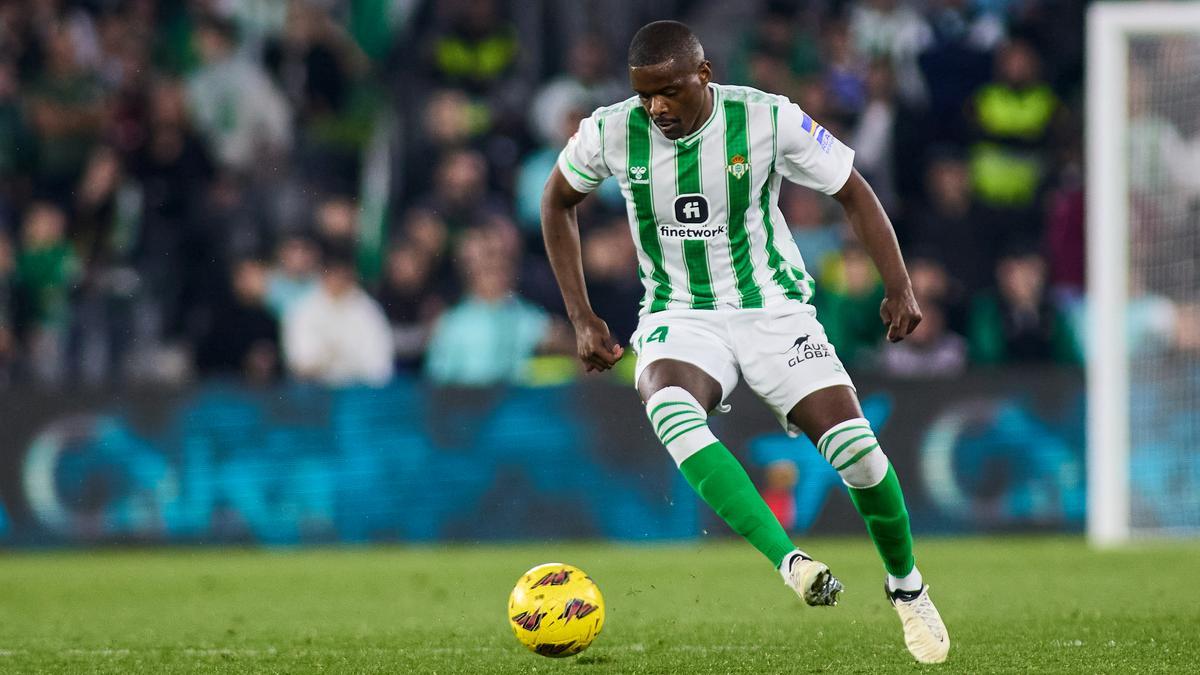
[(556, 610)]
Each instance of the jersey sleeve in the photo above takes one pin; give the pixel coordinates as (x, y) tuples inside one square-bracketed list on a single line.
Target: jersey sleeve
[(582, 161), (809, 155)]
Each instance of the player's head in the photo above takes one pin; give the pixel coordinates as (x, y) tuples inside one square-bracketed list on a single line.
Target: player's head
[(668, 71)]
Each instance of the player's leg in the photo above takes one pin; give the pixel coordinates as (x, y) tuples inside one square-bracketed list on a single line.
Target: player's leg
[(678, 398), (832, 418), (786, 358)]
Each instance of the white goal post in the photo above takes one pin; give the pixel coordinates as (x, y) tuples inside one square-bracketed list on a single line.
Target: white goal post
[(1110, 29)]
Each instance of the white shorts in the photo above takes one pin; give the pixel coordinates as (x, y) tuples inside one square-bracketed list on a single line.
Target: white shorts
[(782, 352)]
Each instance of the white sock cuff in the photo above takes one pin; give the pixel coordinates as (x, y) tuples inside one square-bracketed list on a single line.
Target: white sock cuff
[(680, 422), (911, 582), (852, 449)]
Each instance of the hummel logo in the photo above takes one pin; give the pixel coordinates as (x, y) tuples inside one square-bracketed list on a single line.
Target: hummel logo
[(637, 174), (797, 345)]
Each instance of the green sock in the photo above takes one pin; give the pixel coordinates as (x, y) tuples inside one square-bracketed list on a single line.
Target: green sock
[(882, 507), (716, 475)]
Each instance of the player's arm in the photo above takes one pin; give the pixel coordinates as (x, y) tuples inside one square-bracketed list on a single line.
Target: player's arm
[(899, 310), (560, 229)]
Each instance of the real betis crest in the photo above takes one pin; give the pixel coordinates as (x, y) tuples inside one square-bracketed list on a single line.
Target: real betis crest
[(738, 166)]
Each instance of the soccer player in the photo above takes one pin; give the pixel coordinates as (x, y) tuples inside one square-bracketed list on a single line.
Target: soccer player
[(700, 165)]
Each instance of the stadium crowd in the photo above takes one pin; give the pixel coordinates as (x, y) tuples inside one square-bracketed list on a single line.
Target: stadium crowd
[(343, 190)]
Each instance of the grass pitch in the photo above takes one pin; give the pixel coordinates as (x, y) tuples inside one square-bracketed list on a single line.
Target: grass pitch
[(1012, 605)]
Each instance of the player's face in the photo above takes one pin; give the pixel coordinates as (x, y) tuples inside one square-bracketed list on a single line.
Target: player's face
[(674, 94)]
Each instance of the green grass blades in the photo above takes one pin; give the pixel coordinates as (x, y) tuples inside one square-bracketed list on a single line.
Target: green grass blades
[(1011, 605)]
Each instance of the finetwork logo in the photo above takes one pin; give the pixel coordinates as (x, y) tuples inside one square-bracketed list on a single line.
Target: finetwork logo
[(690, 232)]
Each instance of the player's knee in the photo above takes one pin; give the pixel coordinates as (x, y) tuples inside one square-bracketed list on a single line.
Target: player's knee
[(679, 421), (852, 449)]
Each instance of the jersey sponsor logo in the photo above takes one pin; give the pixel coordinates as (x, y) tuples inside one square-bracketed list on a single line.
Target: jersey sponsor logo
[(637, 174), (738, 166), (797, 344), (802, 350), (681, 232), (691, 209)]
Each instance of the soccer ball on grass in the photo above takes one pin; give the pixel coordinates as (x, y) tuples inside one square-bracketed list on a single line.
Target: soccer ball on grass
[(556, 610)]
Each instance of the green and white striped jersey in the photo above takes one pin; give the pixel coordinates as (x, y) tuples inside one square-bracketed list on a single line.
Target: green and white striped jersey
[(704, 208)]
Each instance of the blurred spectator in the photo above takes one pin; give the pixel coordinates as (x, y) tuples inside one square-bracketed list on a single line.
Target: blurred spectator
[(873, 139), (474, 47), (338, 335), (8, 342), (1065, 232), (412, 302), (317, 66), (817, 236), (337, 221), (1013, 118), (242, 338), (489, 337), (1017, 322), (779, 492), (294, 274), (536, 168), (235, 103), (845, 72), (66, 111), (610, 267), (1159, 156), (957, 61), (449, 121), (313, 60), (895, 31), (173, 165), (15, 143), (588, 84), (953, 230), (46, 270), (460, 194), (931, 282), (429, 233), (849, 292), (930, 351), (775, 51)]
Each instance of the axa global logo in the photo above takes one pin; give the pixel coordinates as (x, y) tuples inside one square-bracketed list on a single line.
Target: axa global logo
[(804, 349), (637, 174)]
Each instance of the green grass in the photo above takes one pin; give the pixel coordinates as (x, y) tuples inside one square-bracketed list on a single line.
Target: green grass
[(1012, 605)]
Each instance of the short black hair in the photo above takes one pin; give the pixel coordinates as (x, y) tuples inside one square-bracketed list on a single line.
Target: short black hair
[(661, 41)]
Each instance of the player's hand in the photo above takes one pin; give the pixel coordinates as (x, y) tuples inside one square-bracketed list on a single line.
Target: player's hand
[(900, 314), (595, 345)]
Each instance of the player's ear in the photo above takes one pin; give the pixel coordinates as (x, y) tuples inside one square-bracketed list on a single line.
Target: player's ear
[(705, 73)]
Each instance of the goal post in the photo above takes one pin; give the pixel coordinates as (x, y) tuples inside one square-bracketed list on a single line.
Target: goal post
[(1120, 382)]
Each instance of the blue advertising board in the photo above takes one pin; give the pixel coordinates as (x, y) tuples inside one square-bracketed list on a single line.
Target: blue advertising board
[(227, 464)]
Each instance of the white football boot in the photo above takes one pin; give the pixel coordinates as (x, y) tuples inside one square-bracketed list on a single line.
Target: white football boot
[(924, 633), (811, 579)]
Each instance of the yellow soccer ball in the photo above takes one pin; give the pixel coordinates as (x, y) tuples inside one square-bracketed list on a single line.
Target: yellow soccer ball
[(556, 610)]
